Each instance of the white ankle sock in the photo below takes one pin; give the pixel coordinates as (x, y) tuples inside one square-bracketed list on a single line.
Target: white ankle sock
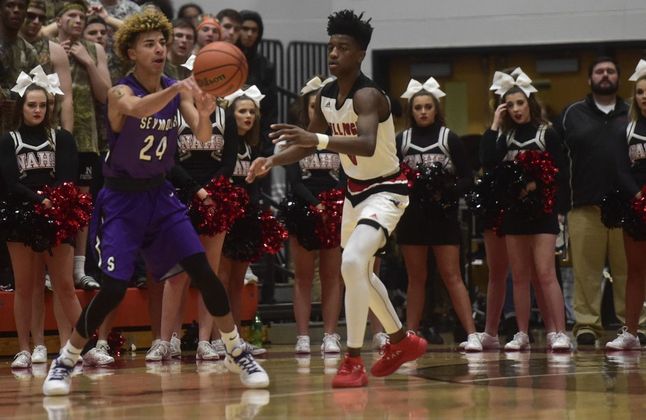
[(231, 339), (79, 267), (69, 355), (103, 343)]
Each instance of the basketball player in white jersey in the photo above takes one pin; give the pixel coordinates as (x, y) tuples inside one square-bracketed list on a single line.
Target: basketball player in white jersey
[(356, 114)]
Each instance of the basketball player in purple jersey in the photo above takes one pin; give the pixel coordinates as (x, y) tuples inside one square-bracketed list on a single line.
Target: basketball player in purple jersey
[(358, 115), (137, 208)]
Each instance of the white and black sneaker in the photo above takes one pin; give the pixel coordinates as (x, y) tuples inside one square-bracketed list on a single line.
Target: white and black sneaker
[(58, 379), (241, 361)]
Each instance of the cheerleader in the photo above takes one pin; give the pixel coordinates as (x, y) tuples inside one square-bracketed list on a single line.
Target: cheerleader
[(34, 156), (306, 179), (197, 164), (518, 126), (426, 142), (631, 179), (243, 115)]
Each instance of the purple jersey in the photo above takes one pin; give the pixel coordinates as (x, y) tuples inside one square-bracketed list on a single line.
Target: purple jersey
[(145, 147)]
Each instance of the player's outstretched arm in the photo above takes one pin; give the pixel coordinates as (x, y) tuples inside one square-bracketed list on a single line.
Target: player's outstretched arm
[(196, 108)]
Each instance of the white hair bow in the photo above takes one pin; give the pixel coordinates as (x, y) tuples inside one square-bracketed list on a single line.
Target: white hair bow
[(49, 82), (190, 62), (502, 82), (315, 84), (252, 93), (430, 85), (640, 71)]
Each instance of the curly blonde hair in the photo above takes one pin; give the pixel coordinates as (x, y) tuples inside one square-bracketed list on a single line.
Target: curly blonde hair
[(148, 20)]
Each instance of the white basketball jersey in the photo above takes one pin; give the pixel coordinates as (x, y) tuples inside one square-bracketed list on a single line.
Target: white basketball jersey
[(342, 121)]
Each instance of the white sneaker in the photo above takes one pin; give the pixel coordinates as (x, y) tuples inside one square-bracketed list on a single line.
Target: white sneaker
[(549, 339), (39, 355), (175, 346), (561, 342), (624, 341), (219, 347), (379, 340), (98, 356), (205, 351), (241, 361), (519, 342), (158, 352), (489, 342), (48, 283), (302, 344), (331, 343), (22, 360), (58, 379), (249, 276), (473, 343), (256, 351)]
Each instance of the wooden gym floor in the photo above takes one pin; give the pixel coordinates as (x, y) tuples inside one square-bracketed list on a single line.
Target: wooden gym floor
[(443, 384)]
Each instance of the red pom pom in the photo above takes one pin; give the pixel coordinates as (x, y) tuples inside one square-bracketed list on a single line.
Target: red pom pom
[(411, 174), (538, 165), (71, 210), (228, 205), (116, 342), (273, 234), (328, 220)]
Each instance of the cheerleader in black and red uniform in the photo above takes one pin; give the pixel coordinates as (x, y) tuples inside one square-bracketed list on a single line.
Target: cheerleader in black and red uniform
[(428, 142), (308, 178), (517, 127), (32, 157), (243, 117), (197, 164), (631, 163)]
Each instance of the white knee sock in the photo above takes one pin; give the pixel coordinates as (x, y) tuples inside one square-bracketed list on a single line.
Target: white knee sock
[(364, 289)]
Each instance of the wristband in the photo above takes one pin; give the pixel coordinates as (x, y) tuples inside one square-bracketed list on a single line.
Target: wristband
[(323, 140)]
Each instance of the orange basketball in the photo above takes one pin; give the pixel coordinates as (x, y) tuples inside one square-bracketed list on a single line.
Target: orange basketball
[(220, 68)]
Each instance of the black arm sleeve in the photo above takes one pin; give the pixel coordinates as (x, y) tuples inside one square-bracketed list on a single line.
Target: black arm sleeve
[(624, 179), (460, 163), (554, 146), (229, 153), (10, 171), (296, 183), (269, 109), (182, 180), (492, 149), (398, 145), (67, 161)]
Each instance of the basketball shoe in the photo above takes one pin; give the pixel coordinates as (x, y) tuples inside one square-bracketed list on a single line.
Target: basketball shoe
[(351, 373), (241, 361), (394, 355)]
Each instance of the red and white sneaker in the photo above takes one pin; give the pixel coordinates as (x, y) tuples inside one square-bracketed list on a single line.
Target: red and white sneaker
[(351, 373), (395, 355)]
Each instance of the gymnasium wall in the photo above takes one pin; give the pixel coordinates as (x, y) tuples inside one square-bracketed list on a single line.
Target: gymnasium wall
[(457, 23), (474, 38)]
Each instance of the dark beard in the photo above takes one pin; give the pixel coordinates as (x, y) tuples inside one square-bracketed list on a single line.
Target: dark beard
[(605, 90)]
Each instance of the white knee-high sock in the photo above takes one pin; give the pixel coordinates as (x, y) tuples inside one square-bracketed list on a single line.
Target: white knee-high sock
[(362, 291)]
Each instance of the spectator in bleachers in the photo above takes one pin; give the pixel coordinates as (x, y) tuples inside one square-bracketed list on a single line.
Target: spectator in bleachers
[(180, 50), (190, 11), (207, 30), (231, 23), (90, 82), (52, 58)]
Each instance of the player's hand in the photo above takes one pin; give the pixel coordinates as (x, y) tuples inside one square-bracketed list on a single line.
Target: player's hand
[(205, 104), (498, 116), (291, 135), (259, 168), (188, 85)]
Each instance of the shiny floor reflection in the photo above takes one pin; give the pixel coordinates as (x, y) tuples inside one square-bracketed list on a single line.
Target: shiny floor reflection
[(443, 384)]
